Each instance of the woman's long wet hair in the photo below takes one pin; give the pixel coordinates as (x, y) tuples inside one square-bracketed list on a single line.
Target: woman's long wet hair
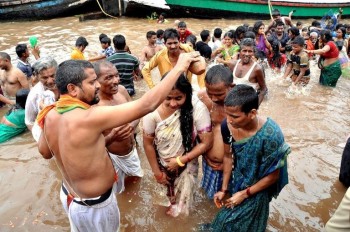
[(186, 111), (21, 98)]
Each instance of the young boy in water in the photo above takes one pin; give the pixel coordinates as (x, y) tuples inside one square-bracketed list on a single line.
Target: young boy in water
[(298, 63), (106, 46), (183, 31)]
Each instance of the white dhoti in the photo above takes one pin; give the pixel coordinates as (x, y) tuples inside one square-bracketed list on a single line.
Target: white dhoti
[(102, 214), (127, 165)]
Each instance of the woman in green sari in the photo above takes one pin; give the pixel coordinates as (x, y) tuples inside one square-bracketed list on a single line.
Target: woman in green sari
[(329, 60), (255, 164), (12, 124)]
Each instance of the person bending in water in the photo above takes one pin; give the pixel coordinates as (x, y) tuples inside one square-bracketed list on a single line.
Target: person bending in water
[(76, 128), (218, 82), (298, 63), (174, 136)]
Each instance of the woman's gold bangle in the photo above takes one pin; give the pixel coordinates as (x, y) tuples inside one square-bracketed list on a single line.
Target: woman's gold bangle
[(178, 161)]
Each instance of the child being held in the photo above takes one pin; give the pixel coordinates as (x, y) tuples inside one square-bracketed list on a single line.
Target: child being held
[(298, 63)]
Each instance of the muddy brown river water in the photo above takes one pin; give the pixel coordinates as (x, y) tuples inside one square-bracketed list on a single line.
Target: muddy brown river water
[(314, 123)]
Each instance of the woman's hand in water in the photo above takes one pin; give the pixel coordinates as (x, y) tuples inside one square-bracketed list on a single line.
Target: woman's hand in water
[(162, 178)]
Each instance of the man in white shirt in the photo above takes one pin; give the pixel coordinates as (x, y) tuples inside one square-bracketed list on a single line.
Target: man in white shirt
[(43, 93), (216, 43)]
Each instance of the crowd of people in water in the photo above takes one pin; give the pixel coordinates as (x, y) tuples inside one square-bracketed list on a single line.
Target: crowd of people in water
[(243, 156)]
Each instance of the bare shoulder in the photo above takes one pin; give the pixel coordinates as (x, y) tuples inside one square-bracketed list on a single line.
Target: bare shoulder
[(102, 102), (158, 47), (123, 92), (144, 49), (18, 73), (258, 69), (2, 74), (203, 96)]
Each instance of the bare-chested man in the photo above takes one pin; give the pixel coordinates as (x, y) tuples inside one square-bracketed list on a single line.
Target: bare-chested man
[(120, 141), (247, 71), (76, 140), (12, 79), (150, 49), (218, 82), (276, 16)]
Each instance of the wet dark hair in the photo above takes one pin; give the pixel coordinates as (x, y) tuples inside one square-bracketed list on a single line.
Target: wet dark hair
[(249, 34), (20, 49), (182, 24), (81, 41), (71, 72), (217, 32), (102, 36), (159, 33), (229, 34), (149, 34), (257, 25), (192, 39), (106, 40), (299, 40), (186, 111), (275, 12), (171, 33), (274, 61), (217, 74), (326, 35), (294, 31), (279, 23), (21, 98), (204, 35), (339, 25), (343, 30), (315, 23), (243, 96), (119, 42), (240, 30)]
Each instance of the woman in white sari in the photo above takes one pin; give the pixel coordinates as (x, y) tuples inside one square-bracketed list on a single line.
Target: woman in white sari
[(174, 136)]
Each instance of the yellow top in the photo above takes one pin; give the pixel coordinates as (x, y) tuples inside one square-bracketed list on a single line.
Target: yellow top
[(77, 55), (161, 60)]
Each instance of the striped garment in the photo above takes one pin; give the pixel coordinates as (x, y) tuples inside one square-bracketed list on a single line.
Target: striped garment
[(211, 180), (126, 64)]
